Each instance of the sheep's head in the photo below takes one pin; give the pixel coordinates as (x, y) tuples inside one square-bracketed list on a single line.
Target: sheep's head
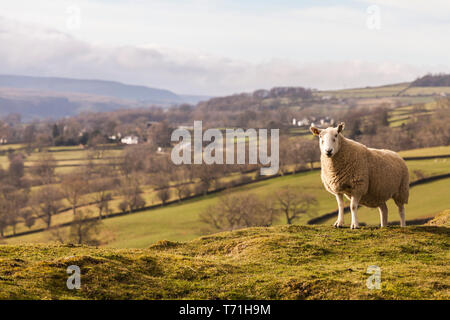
[(330, 139)]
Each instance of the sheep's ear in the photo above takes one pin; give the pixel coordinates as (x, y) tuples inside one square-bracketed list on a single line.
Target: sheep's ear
[(341, 127), (315, 131)]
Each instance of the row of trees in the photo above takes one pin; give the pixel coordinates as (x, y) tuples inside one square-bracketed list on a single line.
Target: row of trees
[(262, 109), (432, 80), (242, 210)]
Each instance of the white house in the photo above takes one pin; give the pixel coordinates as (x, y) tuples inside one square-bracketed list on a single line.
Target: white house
[(130, 140)]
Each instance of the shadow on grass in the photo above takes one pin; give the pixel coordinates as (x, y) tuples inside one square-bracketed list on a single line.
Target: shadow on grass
[(433, 229)]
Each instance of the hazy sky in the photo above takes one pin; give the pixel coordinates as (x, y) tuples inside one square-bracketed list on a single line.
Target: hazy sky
[(222, 47)]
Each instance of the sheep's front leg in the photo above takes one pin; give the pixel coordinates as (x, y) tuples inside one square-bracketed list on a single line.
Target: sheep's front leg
[(354, 208), (383, 215), (401, 211), (340, 220)]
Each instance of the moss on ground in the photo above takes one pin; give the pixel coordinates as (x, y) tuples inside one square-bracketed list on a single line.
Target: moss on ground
[(286, 262)]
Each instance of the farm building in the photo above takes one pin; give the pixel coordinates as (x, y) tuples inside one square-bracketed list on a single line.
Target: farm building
[(130, 140)]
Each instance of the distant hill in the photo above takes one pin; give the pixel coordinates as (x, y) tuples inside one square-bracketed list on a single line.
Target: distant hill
[(43, 97), (95, 87), (36, 104), (430, 80)]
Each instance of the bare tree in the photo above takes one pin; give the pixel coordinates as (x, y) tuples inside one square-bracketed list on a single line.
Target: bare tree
[(13, 203), (235, 211), (293, 203), (163, 195), (101, 194), (159, 134), (133, 160), (130, 189), (4, 211), (182, 185), (162, 183), (97, 146), (28, 218), (44, 168), (46, 202), (84, 229), (16, 169), (286, 154), (73, 186), (208, 175), (309, 152)]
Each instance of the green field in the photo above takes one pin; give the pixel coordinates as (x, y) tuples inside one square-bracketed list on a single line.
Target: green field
[(295, 262), (68, 158), (369, 92), (433, 151), (414, 91), (179, 222), (396, 90), (403, 114)]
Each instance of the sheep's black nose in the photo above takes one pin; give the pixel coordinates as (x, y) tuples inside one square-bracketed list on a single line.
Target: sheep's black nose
[(329, 152)]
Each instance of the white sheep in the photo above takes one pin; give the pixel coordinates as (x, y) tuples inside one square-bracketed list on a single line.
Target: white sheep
[(366, 176)]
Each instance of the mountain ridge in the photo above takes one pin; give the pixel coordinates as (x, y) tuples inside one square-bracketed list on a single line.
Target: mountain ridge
[(89, 86), (56, 97)]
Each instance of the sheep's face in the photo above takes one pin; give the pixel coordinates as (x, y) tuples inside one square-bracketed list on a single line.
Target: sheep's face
[(329, 139)]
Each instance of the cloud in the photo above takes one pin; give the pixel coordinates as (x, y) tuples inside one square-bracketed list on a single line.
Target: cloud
[(29, 49)]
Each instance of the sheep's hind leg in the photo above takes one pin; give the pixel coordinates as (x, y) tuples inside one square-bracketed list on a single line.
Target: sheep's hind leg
[(340, 220), (354, 209), (401, 212), (383, 215)]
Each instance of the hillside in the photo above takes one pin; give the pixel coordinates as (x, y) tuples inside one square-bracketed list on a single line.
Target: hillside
[(41, 97), (289, 262), (36, 104), (95, 87), (432, 80)]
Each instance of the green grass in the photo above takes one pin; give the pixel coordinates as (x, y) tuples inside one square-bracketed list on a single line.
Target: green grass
[(295, 262), (386, 91), (404, 114), (433, 151), (68, 157), (369, 92), (428, 168), (5, 147), (414, 91)]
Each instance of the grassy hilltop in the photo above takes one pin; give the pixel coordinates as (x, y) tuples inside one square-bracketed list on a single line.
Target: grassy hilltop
[(284, 262)]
